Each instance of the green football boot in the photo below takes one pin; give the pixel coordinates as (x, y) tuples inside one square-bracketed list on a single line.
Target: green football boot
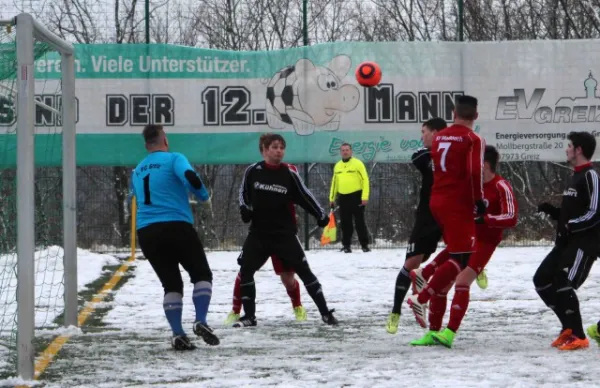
[(444, 337), (426, 340)]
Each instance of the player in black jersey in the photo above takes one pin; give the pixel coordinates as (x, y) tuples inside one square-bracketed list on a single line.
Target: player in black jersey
[(576, 245), (267, 189), (426, 233)]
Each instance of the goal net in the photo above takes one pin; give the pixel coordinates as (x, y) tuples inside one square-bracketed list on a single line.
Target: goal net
[(38, 268)]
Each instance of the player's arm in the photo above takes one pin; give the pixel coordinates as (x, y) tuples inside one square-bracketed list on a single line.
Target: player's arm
[(475, 164), (184, 171), (592, 217), (508, 208), (421, 159), (303, 197), (245, 201), (365, 179), (333, 189)]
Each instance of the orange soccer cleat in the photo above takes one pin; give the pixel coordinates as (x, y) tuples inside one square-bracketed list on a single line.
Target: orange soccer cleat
[(574, 343), (562, 338)]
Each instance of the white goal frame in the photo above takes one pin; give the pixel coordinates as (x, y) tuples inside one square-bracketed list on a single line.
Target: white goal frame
[(28, 30)]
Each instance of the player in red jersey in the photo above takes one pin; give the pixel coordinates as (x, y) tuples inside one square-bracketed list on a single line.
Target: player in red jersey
[(501, 213), (457, 159), (287, 275)]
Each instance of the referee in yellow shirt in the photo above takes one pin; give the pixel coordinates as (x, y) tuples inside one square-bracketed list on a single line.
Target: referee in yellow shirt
[(350, 184)]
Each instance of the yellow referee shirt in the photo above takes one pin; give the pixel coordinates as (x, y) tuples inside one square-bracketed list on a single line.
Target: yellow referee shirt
[(349, 177)]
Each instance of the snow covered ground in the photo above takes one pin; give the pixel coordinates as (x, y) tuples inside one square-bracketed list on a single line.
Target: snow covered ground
[(504, 340), (49, 291)]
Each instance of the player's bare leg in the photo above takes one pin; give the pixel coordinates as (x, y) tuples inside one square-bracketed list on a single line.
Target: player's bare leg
[(288, 279)]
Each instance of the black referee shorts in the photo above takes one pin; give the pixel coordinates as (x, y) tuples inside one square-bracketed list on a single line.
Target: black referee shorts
[(424, 238), (168, 244), (568, 264)]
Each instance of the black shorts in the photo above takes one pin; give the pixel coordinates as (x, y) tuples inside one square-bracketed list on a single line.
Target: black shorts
[(168, 244), (259, 247), (573, 260), (424, 238)]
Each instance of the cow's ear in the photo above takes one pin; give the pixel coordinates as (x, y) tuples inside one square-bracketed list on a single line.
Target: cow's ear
[(303, 66), (340, 65)]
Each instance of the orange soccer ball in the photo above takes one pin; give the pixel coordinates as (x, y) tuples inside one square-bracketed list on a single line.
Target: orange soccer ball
[(368, 74)]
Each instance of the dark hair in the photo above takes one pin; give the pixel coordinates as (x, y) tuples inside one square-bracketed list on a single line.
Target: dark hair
[(491, 155), (261, 141), (466, 107), (584, 140), (435, 124), (267, 139), (346, 144), (152, 133)]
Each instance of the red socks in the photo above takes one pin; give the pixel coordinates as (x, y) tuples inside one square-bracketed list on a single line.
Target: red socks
[(444, 276), (237, 295), (294, 294), (437, 308), (430, 268), (460, 304)]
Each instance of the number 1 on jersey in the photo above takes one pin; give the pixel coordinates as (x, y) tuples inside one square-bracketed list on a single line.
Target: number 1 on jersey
[(147, 190), (445, 146)]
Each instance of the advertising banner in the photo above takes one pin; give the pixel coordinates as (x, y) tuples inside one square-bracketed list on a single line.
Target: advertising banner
[(215, 104)]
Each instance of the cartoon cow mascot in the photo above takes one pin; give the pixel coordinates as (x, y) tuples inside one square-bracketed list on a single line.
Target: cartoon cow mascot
[(310, 97)]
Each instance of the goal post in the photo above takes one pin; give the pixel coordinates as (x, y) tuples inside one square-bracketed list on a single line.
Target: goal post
[(29, 32)]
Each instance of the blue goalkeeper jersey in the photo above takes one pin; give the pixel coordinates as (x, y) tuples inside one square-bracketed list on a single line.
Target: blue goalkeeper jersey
[(161, 183)]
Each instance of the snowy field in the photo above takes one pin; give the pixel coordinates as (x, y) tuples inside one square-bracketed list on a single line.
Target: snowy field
[(49, 291), (504, 340)]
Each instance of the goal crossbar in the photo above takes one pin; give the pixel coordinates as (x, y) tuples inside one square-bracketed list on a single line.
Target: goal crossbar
[(28, 30)]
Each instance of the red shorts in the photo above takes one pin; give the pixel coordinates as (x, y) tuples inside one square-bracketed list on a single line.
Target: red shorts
[(482, 255), (279, 267), (457, 224)]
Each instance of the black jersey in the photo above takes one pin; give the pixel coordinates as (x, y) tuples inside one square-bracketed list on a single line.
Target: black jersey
[(422, 161), (266, 193), (579, 215)]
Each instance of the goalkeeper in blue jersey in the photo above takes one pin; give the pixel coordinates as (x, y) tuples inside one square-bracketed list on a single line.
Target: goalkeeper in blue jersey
[(166, 234)]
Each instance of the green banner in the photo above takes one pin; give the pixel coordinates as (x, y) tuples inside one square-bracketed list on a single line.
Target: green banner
[(215, 104)]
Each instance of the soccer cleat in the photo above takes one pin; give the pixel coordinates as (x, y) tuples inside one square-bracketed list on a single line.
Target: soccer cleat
[(245, 322), (426, 340), (416, 277), (300, 313), (482, 280), (232, 317), (182, 342), (444, 337), (329, 318), (366, 249), (420, 310), (592, 331), (392, 323), (203, 331), (562, 338), (575, 343)]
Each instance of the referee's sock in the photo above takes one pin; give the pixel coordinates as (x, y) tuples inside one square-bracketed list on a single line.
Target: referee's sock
[(201, 297), (173, 306), (402, 286)]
